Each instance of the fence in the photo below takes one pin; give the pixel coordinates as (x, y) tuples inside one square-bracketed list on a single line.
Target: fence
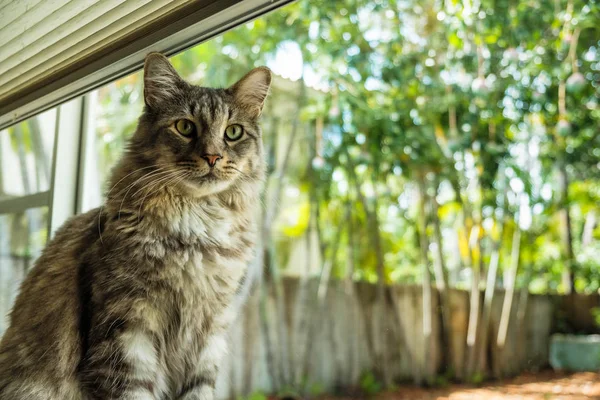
[(268, 353)]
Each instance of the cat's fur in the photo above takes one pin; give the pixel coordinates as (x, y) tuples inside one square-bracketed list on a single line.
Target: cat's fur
[(133, 300)]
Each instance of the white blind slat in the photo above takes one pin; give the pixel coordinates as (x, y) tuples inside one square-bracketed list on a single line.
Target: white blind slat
[(96, 35), (14, 9), (37, 23), (82, 27)]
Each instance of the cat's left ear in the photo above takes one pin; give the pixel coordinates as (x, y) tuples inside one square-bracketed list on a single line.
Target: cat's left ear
[(252, 90), (161, 81)]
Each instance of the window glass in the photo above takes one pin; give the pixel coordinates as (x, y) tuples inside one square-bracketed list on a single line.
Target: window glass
[(26, 155), (22, 237)]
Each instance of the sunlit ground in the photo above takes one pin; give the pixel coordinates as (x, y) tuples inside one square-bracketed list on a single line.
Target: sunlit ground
[(539, 386)]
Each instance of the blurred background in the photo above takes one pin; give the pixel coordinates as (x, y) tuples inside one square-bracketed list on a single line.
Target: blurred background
[(433, 194)]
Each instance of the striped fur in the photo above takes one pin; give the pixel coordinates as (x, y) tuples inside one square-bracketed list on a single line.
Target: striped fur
[(133, 300)]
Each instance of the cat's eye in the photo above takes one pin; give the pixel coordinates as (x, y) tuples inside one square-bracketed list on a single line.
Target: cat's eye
[(185, 127), (234, 132)]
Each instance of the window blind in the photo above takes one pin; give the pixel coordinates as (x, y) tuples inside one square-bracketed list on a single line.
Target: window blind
[(52, 51)]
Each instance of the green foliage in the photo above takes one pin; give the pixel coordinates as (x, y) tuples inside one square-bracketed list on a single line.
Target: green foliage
[(466, 99), (477, 378), (254, 396), (316, 389), (369, 384), (596, 314)]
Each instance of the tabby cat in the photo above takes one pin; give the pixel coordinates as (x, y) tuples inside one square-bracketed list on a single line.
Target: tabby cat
[(133, 300)]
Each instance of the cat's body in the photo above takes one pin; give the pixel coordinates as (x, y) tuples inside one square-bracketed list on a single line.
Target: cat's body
[(133, 300)]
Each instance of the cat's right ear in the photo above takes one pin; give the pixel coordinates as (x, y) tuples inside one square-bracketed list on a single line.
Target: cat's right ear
[(161, 81)]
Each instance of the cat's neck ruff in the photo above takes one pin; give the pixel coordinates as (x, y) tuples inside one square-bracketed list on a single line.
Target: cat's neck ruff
[(170, 215)]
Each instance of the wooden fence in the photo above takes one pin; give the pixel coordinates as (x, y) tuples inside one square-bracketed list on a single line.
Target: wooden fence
[(339, 335)]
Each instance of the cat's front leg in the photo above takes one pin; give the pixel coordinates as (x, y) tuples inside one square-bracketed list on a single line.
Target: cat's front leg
[(199, 390), (122, 367), (201, 385)]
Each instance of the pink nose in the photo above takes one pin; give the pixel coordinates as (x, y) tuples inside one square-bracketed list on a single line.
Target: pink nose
[(212, 159)]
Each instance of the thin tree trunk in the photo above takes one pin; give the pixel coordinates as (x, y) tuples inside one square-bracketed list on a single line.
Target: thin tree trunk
[(509, 294), (352, 309), (567, 236), (272, 367), (441, 279), (324, 282), (379, 318), (41, 158), (522, 306), (253, 288), (304, 320), (490, 289), (270, 216), (19, 137), (28, 214), (567, 233), (588, 229), (268, 269), (474, 300), (302, 313), (426, 285)]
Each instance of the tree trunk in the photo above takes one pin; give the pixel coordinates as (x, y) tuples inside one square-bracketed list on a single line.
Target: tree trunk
[(42, 160), (568, 278), (19, 137), (352, 309), (379, 312), (588, 229), (522, 306), (301, 321), (272, 282), (509, 295), (272, 211), (28, 214), (474, 300), (490, 290), (426, 285), (254, 290), (324, 282), (381, 345), (441, 279)]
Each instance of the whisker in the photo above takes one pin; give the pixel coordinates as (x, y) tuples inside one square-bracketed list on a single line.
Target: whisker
[(238, 170), (166, 174), (139, 180), (129, 174), (173, 177), (108, 196)]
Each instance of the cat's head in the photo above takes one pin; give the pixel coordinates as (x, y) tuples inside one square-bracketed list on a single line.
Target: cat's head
[(208, 138)]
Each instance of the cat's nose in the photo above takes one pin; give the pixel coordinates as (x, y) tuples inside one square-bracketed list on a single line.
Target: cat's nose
[(212, 159)]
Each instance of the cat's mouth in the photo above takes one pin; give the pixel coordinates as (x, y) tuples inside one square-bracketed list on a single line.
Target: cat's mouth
[(212, 175), (211, 182)]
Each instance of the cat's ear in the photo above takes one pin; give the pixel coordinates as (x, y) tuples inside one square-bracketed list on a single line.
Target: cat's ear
[(161, 81), (252, 90)]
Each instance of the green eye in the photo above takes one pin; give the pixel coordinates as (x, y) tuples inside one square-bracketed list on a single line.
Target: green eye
[(185, 127), (234, 132)]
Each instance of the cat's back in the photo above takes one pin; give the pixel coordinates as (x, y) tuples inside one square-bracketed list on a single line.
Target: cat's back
[(41, 349)]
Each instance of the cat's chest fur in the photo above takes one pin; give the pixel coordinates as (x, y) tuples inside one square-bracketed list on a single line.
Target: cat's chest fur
[(193, 260)]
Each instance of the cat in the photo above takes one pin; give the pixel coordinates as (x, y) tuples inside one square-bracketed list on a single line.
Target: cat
[(133, 300)]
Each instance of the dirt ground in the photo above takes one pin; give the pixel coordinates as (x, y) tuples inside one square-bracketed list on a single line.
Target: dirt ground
[(539, 386)]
